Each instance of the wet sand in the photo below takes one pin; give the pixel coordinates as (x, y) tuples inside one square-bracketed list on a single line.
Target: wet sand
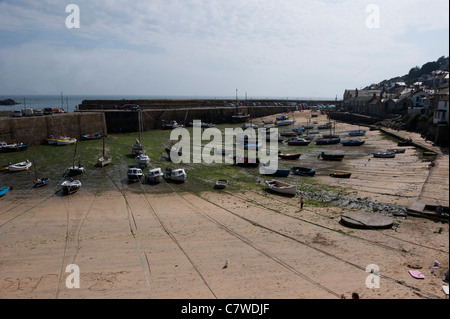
[(131, 244)]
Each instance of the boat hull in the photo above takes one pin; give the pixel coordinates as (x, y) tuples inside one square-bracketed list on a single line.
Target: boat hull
[(281, 187), (302, 171)]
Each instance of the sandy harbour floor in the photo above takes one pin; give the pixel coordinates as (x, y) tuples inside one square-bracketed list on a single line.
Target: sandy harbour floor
[(136, 244)]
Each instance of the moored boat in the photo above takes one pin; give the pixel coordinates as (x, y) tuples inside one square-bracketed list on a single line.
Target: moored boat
[(297, 141), (134, 174), (406, 142), (3, 190), (221, 184), (357, 133), (70, 186), (265, 170), (142, 159), (245, 160), (289, 156), (16, 147), (177, 174), (332, 157), (341, 174), (355, 142), (280, 187), (41, 182), (22, 166), (303, 171), (66, 141), (94, 136), (328, 141), (154, 175), (383, 154)]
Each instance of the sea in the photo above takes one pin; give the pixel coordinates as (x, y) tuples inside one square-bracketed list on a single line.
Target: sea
[(70, 102)]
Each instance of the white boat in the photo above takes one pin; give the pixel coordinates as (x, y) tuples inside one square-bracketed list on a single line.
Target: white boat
[(384, 154), (22, 166), (134, 174), (66, 141), (142, 159), (178, 174), (154, 175), (70, 186), (284, 122), (281, 187), (220, 184)]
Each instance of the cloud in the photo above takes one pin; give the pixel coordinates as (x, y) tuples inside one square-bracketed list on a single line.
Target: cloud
[(268, 47)]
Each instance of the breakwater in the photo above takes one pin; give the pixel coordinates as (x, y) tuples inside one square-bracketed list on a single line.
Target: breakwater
[(35, 130), (128, 120)]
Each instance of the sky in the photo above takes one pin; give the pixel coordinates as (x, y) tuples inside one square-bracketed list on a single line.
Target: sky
[(261, 48)]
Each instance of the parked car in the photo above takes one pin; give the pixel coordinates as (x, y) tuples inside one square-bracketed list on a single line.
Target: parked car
[(38, 112), (17, 113)]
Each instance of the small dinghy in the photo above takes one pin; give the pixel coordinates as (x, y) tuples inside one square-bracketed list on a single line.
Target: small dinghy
[(383, 154), (289, 156), (303, 171), (70, 186), (221, 184), (22, 166), (40, 182), (280, 187), (341, 174), (332, 157), (3, 190)]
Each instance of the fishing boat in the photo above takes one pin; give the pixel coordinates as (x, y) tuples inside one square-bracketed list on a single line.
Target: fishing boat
[(355, 142), (303, 171), (70, 186), (397, 150), (407, 142), (221, 184), (328, 141), (3, 190), (383, 154), (154, 175), (266, 170), (142, 159), (22, 166), (332, 157), (341, 174), (280, 187), (94, 136), (357, 133), (297, 141), (178, 174), (16, 147), (134, 174), (289, 156), (105, 159), (41, 182), (288, 133)]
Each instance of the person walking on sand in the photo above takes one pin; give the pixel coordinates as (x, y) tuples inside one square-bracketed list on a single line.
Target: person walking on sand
[(301, 202)]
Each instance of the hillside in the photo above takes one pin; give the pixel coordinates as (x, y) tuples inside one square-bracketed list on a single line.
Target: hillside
[(416, 73)]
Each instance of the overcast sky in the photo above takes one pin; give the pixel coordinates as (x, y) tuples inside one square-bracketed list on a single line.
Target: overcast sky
[(265, 48)]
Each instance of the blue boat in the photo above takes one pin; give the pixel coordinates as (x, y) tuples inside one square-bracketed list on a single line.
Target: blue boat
[(3, 190), (279, 172), (303, 171), (353, 143), (327, 141), (357, 133), (41, 182)]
